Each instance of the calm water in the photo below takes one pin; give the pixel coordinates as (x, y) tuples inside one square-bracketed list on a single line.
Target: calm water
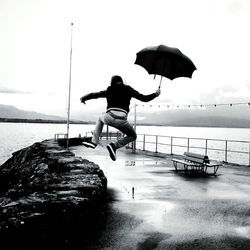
[(15, 136)]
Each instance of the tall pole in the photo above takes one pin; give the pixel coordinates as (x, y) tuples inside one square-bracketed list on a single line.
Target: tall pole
[(70, 66)]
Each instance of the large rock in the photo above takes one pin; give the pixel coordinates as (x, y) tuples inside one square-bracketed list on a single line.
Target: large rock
[(44, 185)]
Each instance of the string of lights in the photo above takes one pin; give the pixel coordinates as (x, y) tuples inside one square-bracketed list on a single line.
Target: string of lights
[(191, 105)]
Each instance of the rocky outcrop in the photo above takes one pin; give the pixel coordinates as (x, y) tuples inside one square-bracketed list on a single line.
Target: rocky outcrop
[(43, 186)]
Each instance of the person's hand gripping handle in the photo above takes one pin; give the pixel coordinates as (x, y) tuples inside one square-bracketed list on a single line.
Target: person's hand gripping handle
[(158, 92), (82, 100)]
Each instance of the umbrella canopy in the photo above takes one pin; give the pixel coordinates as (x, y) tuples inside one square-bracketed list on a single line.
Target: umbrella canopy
[(165, 61)]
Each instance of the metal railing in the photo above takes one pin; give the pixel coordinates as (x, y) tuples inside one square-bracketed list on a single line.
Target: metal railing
[(237, 152), (228, 151), (107, 135)]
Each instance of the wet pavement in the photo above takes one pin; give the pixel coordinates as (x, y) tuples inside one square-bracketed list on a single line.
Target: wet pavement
[(154, 207)]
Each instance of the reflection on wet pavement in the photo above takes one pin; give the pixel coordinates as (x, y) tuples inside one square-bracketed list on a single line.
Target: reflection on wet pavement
[(244, 231), (171, 206)]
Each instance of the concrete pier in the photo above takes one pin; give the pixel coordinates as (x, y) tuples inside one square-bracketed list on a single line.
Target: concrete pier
[(153, 207), (52, 198)]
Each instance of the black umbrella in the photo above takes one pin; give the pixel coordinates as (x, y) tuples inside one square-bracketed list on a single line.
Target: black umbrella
[(165, 61)]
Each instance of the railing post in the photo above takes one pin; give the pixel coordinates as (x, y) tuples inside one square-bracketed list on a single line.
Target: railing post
[(171, 145), (249, 154), (107, 135), (133, 147), (156, 143), (226, 151), (144, 137), (188, 145), (134, 142), (206, 148)]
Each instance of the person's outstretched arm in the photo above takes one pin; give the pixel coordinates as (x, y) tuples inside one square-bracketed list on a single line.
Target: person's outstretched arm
[(93, 95), (145, 98)]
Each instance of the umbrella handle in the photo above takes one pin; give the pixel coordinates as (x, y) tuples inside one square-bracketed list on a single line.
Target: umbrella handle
[(160, 82)]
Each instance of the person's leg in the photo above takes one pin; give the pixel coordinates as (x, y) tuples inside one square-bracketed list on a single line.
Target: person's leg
[(98, 129), (111, 121), (96, 134), (128, 130)]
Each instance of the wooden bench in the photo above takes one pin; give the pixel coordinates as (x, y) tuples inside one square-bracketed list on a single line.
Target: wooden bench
[(196, 162)]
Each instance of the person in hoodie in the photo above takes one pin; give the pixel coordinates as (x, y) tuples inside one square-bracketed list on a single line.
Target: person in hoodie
[(118, 96)]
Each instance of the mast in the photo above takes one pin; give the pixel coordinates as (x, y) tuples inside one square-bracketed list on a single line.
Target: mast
[(70, 66)]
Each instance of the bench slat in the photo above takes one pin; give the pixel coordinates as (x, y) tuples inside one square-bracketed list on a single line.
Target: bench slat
[(196, 160), (195, 155), (183, 162), (198, 156)]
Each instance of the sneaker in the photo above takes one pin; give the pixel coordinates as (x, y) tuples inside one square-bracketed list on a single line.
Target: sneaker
[(111, 148), (89, 144)]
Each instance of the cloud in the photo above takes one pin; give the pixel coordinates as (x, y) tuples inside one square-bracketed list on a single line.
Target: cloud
[(236, 7), (226, 95), (5, 90), (248, 84), (193, 96)]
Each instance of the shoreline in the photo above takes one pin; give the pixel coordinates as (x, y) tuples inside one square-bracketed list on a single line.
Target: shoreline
[(41, 121), (17, 120)]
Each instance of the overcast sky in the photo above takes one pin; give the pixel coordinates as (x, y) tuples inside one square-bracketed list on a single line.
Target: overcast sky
[(35, 49)]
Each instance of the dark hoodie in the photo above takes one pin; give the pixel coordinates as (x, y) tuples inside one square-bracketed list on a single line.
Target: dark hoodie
[(119, 95)]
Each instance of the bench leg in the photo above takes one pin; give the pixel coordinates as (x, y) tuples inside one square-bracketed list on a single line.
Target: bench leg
[(175, 165), (185, 167), (216, 169), (205, 169)]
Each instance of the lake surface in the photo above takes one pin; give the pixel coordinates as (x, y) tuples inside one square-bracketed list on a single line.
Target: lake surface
[(15, 136)]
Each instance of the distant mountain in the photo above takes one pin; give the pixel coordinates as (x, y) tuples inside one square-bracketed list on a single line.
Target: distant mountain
[(8, 111), (237, 117), (234, 117), (212, 122)]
